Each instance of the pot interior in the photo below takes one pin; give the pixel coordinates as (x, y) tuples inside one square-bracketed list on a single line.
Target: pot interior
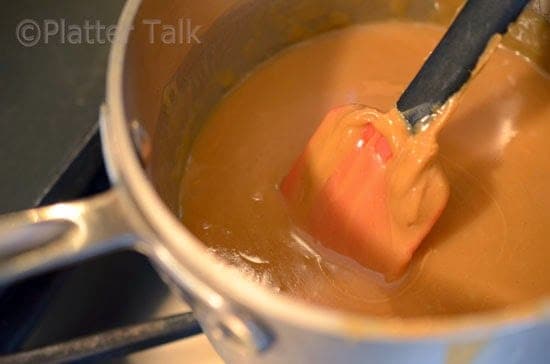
[(172, 88)]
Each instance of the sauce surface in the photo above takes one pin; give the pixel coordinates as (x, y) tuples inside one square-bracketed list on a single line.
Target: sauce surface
[(488, 250)]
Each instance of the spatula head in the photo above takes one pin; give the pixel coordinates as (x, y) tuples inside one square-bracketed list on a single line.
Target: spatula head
[(360, 192)]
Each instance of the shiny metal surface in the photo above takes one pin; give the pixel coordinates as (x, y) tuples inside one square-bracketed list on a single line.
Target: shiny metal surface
[(35, 241), (245, 323)]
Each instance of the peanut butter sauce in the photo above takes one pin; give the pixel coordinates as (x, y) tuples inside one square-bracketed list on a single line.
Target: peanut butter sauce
[(489, 249)]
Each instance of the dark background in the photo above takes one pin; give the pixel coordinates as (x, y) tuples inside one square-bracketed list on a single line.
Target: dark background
[(49, 101), (49, 96)]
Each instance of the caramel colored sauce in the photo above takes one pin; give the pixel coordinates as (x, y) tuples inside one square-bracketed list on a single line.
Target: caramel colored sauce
[(490, 248)]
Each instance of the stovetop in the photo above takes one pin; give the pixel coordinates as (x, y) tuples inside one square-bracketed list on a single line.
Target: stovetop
[(50, 152), (116, 291)]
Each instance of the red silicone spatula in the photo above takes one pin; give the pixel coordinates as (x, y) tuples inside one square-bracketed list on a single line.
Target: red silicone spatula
[(372, 190)]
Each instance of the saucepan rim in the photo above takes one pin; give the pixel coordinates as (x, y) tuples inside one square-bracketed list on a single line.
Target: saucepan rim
[(127, 173)]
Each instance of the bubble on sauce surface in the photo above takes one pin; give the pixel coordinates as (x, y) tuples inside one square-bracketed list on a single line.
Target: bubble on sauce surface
[(246, 265)]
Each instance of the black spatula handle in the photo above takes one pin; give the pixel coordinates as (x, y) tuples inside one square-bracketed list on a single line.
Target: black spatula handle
[(452, 62)]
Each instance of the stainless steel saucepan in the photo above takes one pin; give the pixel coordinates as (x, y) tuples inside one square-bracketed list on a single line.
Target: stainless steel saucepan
[(159, 89)]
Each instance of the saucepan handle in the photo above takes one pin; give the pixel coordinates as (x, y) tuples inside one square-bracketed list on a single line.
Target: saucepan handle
[(42, 239)]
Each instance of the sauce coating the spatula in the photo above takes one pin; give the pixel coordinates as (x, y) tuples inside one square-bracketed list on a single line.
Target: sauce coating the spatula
[(368, 188), (489, 249)]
